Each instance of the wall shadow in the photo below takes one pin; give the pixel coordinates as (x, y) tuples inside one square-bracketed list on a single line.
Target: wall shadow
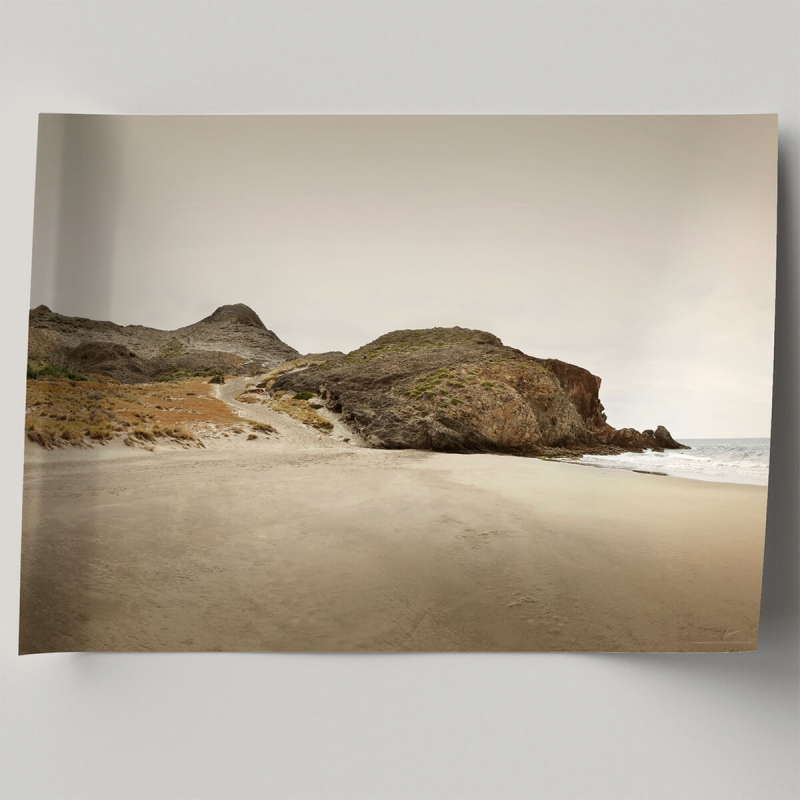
[(74, 269), (765, 682)]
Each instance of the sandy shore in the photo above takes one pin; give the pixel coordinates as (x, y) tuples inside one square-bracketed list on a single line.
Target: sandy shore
[(286, 546)]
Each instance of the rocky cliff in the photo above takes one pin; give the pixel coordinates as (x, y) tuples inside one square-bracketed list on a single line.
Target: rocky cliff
[(232, 339), (461, 390), (445, 389)]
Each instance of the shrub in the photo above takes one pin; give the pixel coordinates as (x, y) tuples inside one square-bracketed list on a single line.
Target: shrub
[(303, 396), (173, 347), (36, 371), (184, 375), (262, 427), (302, 411)]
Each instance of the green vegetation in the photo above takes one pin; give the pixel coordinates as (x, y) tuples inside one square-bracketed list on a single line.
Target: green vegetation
[(38, 372), (411, 341), (267, 380), (303, 396), (439, 385), (171, 348), (186, 375), (301, 411)]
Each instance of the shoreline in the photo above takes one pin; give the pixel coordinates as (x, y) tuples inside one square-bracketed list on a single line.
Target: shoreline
[(37, 454), (215, 415), (300, 548), (685, 476)]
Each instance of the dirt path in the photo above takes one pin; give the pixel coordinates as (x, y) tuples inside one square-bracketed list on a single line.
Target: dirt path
[(291, 432)]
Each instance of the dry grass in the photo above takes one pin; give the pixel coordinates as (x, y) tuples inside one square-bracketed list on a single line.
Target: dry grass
[(262, 427), (266, 381), (302, 411), (62, 412), (251, 396)]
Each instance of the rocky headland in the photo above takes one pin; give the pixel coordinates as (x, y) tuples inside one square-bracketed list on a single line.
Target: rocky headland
[(462, 391), (443, 389)]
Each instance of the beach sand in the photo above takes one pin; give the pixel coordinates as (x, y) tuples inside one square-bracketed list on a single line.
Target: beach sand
[(279, 546)]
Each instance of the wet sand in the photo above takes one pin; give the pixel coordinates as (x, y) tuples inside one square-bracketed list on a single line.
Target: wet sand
[(268, 546)]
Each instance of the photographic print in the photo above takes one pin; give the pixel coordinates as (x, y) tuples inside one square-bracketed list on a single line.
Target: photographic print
[(398, 383)]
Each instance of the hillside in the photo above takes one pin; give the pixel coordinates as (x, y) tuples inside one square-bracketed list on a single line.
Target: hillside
[(444, 389), (233, 340), (461, 390)]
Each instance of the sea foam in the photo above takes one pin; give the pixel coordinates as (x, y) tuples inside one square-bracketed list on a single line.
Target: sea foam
[(731, 460)]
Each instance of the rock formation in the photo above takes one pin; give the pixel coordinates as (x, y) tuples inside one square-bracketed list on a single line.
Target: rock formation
[(446, 389), (460, 390), (232, 339)]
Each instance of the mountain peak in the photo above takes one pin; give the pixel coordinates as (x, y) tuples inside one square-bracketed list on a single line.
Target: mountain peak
[(236, 314)]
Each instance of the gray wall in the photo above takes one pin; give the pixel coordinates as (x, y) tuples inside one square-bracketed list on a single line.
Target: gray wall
[(219, 725)]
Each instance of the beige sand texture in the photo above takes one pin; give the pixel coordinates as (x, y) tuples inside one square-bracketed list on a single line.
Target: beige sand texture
[(286, 545)]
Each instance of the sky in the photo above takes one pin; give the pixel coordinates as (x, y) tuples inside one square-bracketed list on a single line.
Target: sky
[(639, 247)]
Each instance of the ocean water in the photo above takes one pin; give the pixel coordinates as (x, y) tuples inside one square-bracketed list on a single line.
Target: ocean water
[(731, 460)]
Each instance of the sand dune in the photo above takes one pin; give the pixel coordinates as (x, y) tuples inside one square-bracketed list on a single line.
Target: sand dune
[(302, 543)]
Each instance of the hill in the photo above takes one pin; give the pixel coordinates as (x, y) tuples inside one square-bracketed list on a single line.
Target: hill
[(444, 389), (232, 339), (461, 390)]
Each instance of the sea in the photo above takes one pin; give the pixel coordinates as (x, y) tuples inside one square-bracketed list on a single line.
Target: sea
[(729, 460)]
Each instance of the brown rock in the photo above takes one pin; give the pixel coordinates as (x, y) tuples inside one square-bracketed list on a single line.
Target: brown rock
[(664, 438), (232, 339), (583, 389), (461, 390)]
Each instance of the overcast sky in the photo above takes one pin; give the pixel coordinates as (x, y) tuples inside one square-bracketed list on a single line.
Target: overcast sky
[(641, 248)]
